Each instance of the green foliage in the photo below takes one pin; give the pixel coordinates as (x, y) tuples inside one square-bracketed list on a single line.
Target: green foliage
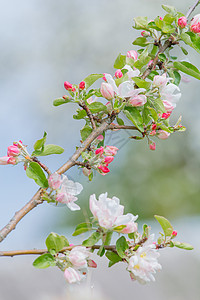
[(143, 59), (141, 41), (121, 246), (81, 114), (48, 150), (165, 224), (113, 258), (120, 61), (134, 116), (89, 80), (83, 227), (191, 39), (92, 240), (34, 171), (141, 83), (141, 23), (85, 132), (187, 68), (44, 261), (184, 246), (40, 143), (56, 242), (61, 101), (170, 9), (97, 107)]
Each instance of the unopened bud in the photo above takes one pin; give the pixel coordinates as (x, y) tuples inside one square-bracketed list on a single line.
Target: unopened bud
[(182, 22), (82, 85), (107, 91), (152, 146), (67, 85), (118, 74)]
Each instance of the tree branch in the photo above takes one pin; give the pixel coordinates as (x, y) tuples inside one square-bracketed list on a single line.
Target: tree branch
[(192, 8), (90, 115), (115, 126)]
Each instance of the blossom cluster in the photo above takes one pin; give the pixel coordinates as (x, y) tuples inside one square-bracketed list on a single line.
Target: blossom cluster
[(13, 153)]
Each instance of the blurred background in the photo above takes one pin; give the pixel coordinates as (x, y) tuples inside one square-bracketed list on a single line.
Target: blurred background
[(43, 44)]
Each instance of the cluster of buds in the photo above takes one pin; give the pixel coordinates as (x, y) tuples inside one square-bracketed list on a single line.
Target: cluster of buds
[(73, 88), (75, 264), (195, 24), (13, 153)]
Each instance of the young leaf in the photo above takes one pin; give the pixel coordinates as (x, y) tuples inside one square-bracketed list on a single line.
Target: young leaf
[(97, 107), (56, 242), (101, 251), (141, 22), (44, 261), (48, 150), (191, 39), (89, 80), (165, 224), (40, 143), (119, 121), (85, 132), (187, 68), (92, 240), (83, 227), (140, 41), (81, 114), (113, 257), (169, 9), (141, 83), (134, 116), (120, 61), (35, 172), (61, 101), (184, 246), (121, 246)]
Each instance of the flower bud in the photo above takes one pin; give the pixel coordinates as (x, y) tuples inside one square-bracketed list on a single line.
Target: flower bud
[(99, 151), (152, 133), (111, 150), (160, 81), (165, 116), (86, 171), (54, 181), (163, 135), (152, 146), (100, 137), (104, 169), (6, 160), (182, 22), (138, 100), (132, 54), (104, 77), (71, 275), (107, 91), (68, 86), (118, 74), (13, 151), (195, 24), (91, 263), (168, 106), (174, 233), (108, 159), (154, 126), (145, 33), (82, 85)]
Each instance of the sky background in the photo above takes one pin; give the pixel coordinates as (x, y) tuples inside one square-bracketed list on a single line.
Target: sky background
[(43, 44)]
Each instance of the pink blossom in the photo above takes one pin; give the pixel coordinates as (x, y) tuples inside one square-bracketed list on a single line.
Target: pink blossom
[(13, 151), (111, 150), (152, 146), (152, 133), (82, 85), (104, 77), (174, 233), (161, 18), (165, 115), (145, 33), (118, 74), (78, 256), (195, 24), (138, 100), (99, 151), (100, 137), (153, 126), (107, 91), (132, 54), (91, 263), (72, 275), (182, 22), (6, 160), (163, 135), (104, 169), (67, 85), (108, 159), (55, 181), (168, 106), (160, 81)]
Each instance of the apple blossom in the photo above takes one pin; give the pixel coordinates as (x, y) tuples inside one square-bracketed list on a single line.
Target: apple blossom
[(104, 169), (152, 146), (163, 135), (82, 85), (195, 24), (6, 160), (138, 100), (71, 275), (107, 91), (182, 22), (78, 256), (67, 191), (118, 73), (143, 263), (160, 81), (170, 93), (165, 115), (132, 54), (13, 151), (99, 151), (111, 150), (131, 72), (68, 86), (108, 159), (55, 181)]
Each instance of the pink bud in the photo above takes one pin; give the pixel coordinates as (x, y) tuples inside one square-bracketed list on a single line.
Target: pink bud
[(73, 89), (99, 151), (152, 133), (138, 100), (132, 54), (195, 24), (168, 106), (108, 159), (161, 18), (174, 233), (54, 181), (107, 91), (152, 146), (165, 116), (65, 97), (118, 74), (154, 126), (182, 22), (100, 137), (145, 33), (163, 135), (6, 160), (13, 151), (86, 171), (111, 150), (104, 169), (67, 85), (91, 263), (104, 77), (82, 85), (71, 275)]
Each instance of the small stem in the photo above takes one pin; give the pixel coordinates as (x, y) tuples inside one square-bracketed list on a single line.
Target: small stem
[(192, 8), (115, 126), (90, 115)]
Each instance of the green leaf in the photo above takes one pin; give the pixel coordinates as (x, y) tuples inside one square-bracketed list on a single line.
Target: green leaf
[(92, 240), (141, 83), (146, 115), (170, 9), (85, 132), (187, 68), (97, 107), (40, 143), (34, 171), (81, 114), (162, 57), (113, 257), (101, 251), (191, 39), (89, 80), (120, 61), (184, 51), (134, 116), (56, 242), (119, 121), (165, 224), (44, 261), (141, 23), (140, 41), (83, 227), (184, 246), (143, 59), (48, 150), (177, 78), (158, 104), (61, 101), (121, 246)]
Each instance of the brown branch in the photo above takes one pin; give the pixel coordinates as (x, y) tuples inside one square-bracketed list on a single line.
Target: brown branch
[(70, 163), (192, 8), (115, 126), (90, 115)]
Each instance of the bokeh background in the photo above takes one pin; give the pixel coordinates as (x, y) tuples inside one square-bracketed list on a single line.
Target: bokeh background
[(43, 44)]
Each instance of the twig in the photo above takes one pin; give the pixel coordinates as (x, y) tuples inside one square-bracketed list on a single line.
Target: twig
[(43, 166), (192, 8), (90, 115)]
